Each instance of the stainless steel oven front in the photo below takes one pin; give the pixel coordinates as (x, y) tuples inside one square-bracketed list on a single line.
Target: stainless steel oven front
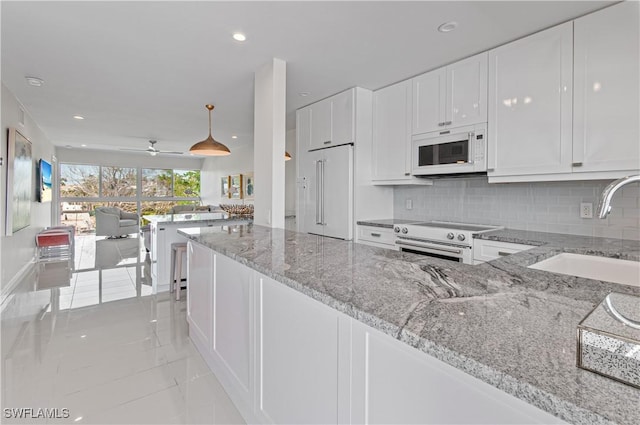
[(462, 253), (460, 150)]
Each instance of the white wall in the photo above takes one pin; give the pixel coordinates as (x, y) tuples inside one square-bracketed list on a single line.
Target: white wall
[(214, 168), (18, 250), (128, 159)]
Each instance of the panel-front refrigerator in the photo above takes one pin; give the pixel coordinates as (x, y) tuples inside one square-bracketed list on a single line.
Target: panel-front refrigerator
[(325, 192)]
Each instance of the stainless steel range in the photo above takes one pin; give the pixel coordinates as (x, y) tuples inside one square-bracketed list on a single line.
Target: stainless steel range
[(452, 241)]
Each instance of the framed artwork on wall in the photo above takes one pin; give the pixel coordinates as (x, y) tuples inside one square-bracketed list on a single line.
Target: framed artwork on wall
[(224, 187), (247, 186), (19, 182), (235, 186)]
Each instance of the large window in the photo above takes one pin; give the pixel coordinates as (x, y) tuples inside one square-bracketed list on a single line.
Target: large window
[(79, 181), (83, 187)]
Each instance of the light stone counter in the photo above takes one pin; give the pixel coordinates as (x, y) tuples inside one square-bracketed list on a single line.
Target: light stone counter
[(510, 326)]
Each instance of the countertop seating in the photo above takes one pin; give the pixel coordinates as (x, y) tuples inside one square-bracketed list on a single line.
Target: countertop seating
[(113, 222)]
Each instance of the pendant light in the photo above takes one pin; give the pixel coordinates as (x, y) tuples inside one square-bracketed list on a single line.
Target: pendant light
[(287, 156), (209, 146)]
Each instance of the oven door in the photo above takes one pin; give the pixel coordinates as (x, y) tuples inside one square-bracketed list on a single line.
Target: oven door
[(450, 152), (459, 253)]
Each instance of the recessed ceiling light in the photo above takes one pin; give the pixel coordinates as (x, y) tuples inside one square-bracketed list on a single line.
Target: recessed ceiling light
[(448, 26), (304, 93), (234, 137), (35, 81), (83, 145), (238, 36), (78, 117)]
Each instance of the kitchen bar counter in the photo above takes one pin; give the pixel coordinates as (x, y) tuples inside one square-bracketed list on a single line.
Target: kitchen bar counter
[(163, 232), (510, 326)]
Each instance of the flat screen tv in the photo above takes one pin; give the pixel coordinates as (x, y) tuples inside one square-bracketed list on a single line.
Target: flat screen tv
[(44, 181)]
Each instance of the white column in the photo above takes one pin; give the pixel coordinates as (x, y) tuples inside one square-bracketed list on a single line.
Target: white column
[(269, 130)]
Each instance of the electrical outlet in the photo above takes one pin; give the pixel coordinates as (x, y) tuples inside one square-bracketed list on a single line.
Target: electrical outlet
[(586, 210), (408, 204)]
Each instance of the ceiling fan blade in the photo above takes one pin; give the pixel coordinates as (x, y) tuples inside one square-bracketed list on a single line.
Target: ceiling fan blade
[(134, 150), (171, 152)]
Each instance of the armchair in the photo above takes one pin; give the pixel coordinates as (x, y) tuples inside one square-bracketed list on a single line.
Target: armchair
[(114, 222)]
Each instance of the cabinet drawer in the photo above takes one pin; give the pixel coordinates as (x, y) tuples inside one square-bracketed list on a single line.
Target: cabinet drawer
[(484, 250), (376, 234)]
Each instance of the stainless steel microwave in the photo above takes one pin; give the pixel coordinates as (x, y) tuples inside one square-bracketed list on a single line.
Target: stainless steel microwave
[(455, 151)]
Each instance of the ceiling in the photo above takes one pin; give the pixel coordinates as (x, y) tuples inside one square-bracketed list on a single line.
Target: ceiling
[(144, 70)]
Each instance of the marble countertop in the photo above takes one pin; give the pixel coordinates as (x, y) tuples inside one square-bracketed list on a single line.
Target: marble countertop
[(508, 325), (193, 217), (386, 223)]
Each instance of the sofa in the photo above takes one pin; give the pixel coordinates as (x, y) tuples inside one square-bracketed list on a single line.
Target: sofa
[(114, 222)]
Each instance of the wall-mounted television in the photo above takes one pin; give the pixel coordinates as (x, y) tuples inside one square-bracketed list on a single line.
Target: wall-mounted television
[(44, 181)]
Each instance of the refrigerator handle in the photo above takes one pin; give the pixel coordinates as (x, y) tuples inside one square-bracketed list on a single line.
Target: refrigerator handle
[(323, 198), (318, 188)]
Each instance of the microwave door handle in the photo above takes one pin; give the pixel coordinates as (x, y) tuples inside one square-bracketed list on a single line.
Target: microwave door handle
[(471, 147), (318, 186), (322, 192)]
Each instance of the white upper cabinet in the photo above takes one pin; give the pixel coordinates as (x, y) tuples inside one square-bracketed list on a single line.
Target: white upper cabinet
[(467, 92), (530, 105), (392, 132), (453, 96), (320, 124), (606, 128), (429, 101), (331, 121)]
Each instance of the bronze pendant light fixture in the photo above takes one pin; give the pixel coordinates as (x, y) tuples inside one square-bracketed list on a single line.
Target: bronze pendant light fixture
[(209, 146), (287, 156)]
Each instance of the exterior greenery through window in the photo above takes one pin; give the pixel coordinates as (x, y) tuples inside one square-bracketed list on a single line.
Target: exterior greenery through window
[(84, 187)]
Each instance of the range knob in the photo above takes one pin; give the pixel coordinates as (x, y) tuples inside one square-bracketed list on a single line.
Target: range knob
[(396, 229), (450, 235), (461, 237), (405, 230)]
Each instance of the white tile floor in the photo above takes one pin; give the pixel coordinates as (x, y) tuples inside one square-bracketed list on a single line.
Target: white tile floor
[(105, 349)]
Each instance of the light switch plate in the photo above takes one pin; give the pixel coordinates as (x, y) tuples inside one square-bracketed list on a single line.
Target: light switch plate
[(408, 204)]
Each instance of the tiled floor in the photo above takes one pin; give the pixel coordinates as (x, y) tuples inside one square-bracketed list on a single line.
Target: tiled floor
[(105, 349)]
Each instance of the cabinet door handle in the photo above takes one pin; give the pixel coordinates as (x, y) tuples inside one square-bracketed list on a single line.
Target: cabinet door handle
[(440, 124), (503, 254), (327, 142), (491, 169), (377, 235), (407, 174), (576, 164), (447, 123)]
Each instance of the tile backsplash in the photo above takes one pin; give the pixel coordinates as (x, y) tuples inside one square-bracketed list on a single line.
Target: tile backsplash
[(544, 206)]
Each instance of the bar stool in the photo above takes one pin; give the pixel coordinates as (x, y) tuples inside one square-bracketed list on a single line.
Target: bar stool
[(177, 250)]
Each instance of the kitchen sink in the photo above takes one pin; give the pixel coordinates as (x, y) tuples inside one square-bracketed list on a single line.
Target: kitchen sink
[(592, 267)]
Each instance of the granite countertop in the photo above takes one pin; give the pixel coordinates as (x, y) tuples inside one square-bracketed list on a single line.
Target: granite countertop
[(386, 223), (508, 325), (194, 217)]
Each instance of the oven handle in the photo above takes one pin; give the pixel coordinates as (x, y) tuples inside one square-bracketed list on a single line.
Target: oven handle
[(429, 246)]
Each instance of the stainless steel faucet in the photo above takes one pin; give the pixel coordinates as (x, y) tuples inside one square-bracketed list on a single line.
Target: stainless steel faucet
[(604, 207)]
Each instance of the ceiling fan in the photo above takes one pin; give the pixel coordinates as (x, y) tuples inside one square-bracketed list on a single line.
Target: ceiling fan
[(152, 150)]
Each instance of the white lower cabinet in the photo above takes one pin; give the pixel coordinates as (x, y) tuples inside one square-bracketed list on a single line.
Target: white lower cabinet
[(380, 237), (395, 383), (284, 357), (298, 353), (487, 250), (199, 290)]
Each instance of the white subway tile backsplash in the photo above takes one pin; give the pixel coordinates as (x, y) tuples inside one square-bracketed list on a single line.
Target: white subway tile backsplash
[(546, 207)]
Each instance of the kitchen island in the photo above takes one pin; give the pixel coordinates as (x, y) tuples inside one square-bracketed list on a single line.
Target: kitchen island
[(163, 232), (509, 326)]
